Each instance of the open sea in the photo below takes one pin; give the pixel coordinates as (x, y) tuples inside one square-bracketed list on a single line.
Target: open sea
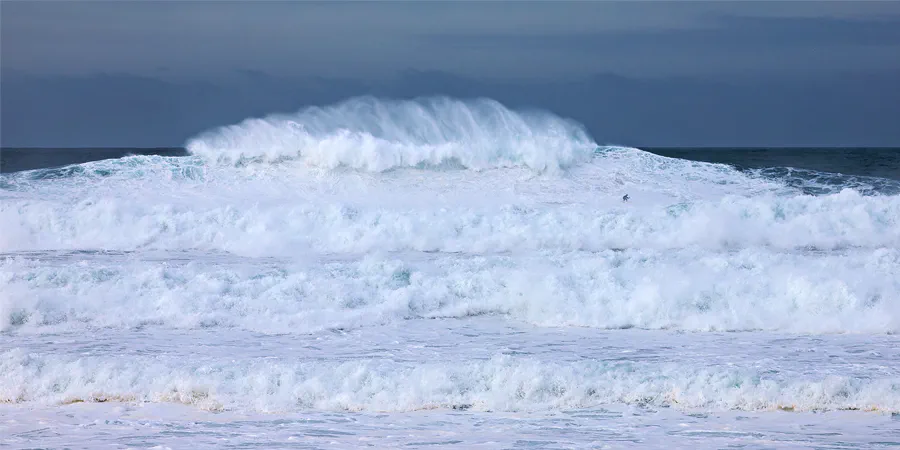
[(441, 273)]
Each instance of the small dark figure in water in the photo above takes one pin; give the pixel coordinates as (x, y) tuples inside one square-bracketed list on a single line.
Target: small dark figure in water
[(625, 198)]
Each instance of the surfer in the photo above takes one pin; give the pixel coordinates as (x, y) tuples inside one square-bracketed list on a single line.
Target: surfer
[(625, 198)]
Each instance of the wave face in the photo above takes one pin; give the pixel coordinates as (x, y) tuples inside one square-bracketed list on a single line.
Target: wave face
[(436, 253)]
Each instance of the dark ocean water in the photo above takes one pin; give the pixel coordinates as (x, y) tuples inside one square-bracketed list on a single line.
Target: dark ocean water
[(868, 162), (19, 159), (812, 170)]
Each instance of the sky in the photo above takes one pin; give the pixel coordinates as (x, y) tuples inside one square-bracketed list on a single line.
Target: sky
[(660, 73)]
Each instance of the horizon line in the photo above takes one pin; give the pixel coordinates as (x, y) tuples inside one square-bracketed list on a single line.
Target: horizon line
[(647, 147)]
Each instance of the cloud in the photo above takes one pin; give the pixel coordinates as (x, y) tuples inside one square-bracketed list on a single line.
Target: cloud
[(726, 45), (675, 72), (486, 39), (730, 31)]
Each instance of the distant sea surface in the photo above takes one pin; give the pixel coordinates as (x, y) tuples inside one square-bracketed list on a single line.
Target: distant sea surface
[(874, 162), (441, 273)]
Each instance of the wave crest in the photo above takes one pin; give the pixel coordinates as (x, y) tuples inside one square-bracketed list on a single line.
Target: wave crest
[(377, 135)]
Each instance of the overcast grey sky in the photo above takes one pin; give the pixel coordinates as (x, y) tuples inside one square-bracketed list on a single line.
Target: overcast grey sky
[(670, 73), (552, 39)]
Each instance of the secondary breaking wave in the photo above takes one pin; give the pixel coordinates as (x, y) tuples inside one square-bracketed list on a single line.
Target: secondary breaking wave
[(684, 290), (377, 135), (502, 383), (834, 222)]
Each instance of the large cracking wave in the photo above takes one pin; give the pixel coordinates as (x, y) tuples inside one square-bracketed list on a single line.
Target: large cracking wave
[(378, 135)]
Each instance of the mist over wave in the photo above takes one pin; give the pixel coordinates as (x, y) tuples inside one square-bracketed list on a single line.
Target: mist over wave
[(377, 135)]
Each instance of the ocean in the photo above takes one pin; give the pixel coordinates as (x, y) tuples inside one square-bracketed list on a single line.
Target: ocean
[(444, 273)]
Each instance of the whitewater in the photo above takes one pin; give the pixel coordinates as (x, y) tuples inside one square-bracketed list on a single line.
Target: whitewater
[(447, 272)]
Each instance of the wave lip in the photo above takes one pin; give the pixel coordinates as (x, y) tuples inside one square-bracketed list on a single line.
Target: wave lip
[(370, 134)]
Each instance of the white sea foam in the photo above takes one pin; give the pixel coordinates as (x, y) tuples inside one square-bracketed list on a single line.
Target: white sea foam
[(168, 425)]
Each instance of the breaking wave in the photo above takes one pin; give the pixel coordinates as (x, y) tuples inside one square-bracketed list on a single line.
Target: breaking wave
[(379, 135), (543, 236)]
